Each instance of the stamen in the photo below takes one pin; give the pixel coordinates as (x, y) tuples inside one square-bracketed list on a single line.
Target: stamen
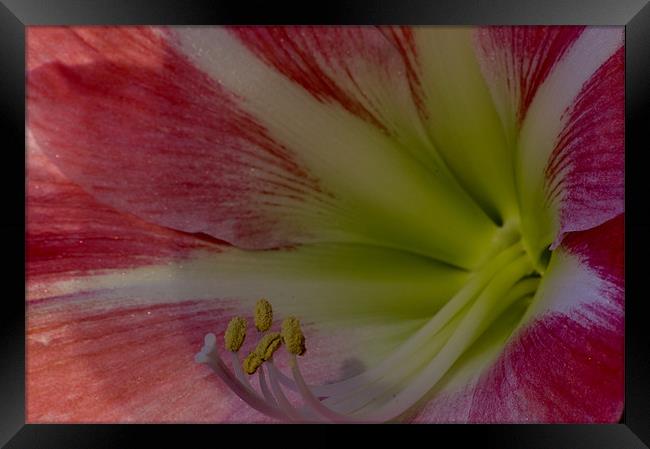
[(268, 345), (235, 334), (263, 315), (292, 336), (283, 402), (237, 367), (309, 397), (391, 388), (412, 346), (392, 379), (265, 388), (252, 362), (263, 352), (210, 357)]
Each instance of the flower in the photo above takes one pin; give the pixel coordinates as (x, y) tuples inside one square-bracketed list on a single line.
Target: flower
[(440, 210)]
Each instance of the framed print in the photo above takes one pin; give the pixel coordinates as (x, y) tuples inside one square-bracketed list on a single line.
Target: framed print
[(422, 215)]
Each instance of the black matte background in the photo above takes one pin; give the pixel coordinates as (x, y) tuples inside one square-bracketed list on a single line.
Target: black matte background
[(635, 14)]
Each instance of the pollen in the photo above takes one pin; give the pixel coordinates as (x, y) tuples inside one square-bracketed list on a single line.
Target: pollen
[(235, 334), (292, 336), (252, 362), (263, 315), (268, 345)]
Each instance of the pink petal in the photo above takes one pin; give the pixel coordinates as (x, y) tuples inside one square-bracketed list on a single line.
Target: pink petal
[(125, 363), (403, 38), (145, 132), (122, 350), (80, 45), (71, 234), (192, 130), (566, 363)]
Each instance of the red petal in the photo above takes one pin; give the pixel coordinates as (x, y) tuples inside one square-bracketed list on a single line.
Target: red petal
[(585, 171), (146, 132), (70, 234), (567, 366), (134, 363)]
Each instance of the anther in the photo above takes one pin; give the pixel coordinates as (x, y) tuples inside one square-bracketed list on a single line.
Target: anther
[(263, 315), (268, 345), (252, 362), (235, 334), (263, 352), (292, 336)]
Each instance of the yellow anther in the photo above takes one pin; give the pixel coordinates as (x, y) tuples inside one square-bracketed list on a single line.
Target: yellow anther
[(292, 336), (252, 362), (235, 334), (263, 315), (268, 345)]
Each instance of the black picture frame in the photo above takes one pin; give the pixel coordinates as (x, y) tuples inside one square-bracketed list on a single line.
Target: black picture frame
[(634, 429)]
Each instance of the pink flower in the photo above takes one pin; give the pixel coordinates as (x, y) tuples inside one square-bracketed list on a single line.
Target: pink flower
[(441, 208)]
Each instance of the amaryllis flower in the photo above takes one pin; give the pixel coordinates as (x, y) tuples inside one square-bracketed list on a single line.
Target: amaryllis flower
[(434, 214)]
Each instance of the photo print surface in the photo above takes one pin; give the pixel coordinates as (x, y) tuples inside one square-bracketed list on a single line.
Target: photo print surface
[(325, 224)]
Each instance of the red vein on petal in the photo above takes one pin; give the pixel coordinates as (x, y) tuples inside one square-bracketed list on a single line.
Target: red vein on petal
[(585, 171), (404, 41), (70, 234), (327, 62), (557, 370), (523, 56)]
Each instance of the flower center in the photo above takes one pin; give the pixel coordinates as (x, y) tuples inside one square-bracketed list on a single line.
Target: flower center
[(507, 279)]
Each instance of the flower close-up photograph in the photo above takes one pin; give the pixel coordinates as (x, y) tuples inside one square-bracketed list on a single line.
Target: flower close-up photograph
[(325, 224)]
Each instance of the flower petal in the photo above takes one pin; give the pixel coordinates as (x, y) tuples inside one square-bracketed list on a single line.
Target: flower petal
[(82, 45), (322, 282), (585, 173), (104, 362), (111, 337), (147, 133), (70, 234), (348, 151), (560, 92), (516, 60), (248, 156), (565, 362)]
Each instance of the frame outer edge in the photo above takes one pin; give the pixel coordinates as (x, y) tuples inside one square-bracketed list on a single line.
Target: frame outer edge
[(31, 12), (12, 318), (637, 123), (414, 12)]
